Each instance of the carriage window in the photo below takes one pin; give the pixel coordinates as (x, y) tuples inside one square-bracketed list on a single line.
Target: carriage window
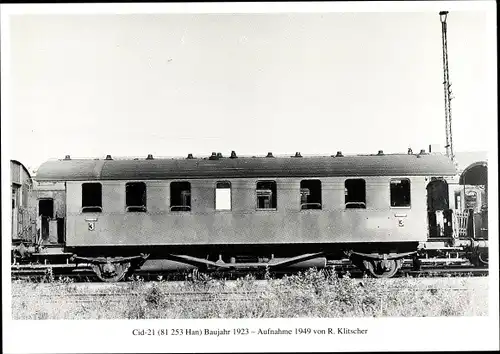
[(46, 208), (46, 212), (266, 195), (400, 192), (310, 194), (355, 193), (91, 197), (135, 195), (180, 196), (223, 196)]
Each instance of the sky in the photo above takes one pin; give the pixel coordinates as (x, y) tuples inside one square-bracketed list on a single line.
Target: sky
[(88, 85)]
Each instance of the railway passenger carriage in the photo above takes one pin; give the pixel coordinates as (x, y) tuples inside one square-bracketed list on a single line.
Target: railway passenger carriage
[(223, 213)]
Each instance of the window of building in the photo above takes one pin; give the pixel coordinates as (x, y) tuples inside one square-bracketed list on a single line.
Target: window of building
[(91, 197), (180, 196), (266, 195), (400, 192), (14, 197), (355, 193), (310, 194), (223, 196), (135, 195)]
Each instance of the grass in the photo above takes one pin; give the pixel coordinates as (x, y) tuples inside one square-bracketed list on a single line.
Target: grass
[(313, 293)]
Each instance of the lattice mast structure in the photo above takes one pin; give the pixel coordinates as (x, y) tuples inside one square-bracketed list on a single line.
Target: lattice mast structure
[(447, 87)]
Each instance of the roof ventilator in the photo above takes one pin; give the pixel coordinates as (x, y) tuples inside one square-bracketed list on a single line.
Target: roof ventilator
[(422, 152)]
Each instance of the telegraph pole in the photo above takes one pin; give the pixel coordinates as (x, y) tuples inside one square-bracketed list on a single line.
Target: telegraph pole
[(447, 87)]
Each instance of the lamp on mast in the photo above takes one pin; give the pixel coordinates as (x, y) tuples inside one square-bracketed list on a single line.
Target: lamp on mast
[(443, 16)]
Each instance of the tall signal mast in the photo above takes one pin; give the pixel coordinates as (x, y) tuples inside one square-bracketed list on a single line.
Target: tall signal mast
[(447, 87)]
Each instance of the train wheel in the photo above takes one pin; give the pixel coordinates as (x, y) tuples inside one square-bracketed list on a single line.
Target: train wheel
[(483, 258), (382, 268), (480, 259), (111, 272)]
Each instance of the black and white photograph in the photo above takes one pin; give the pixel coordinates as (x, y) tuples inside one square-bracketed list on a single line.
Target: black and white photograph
[(249, 177)]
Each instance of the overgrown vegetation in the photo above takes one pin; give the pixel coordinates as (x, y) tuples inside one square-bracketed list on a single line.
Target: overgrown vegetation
[(309, 294)]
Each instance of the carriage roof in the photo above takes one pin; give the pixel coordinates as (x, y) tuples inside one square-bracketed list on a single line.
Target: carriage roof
[(257, 167)]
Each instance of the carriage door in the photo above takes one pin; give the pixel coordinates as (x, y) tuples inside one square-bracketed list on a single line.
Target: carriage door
[(46, 213), (438, 208)]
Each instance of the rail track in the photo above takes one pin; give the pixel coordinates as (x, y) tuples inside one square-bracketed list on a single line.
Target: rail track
[(103, 292), (40, 272), (165, 297)]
